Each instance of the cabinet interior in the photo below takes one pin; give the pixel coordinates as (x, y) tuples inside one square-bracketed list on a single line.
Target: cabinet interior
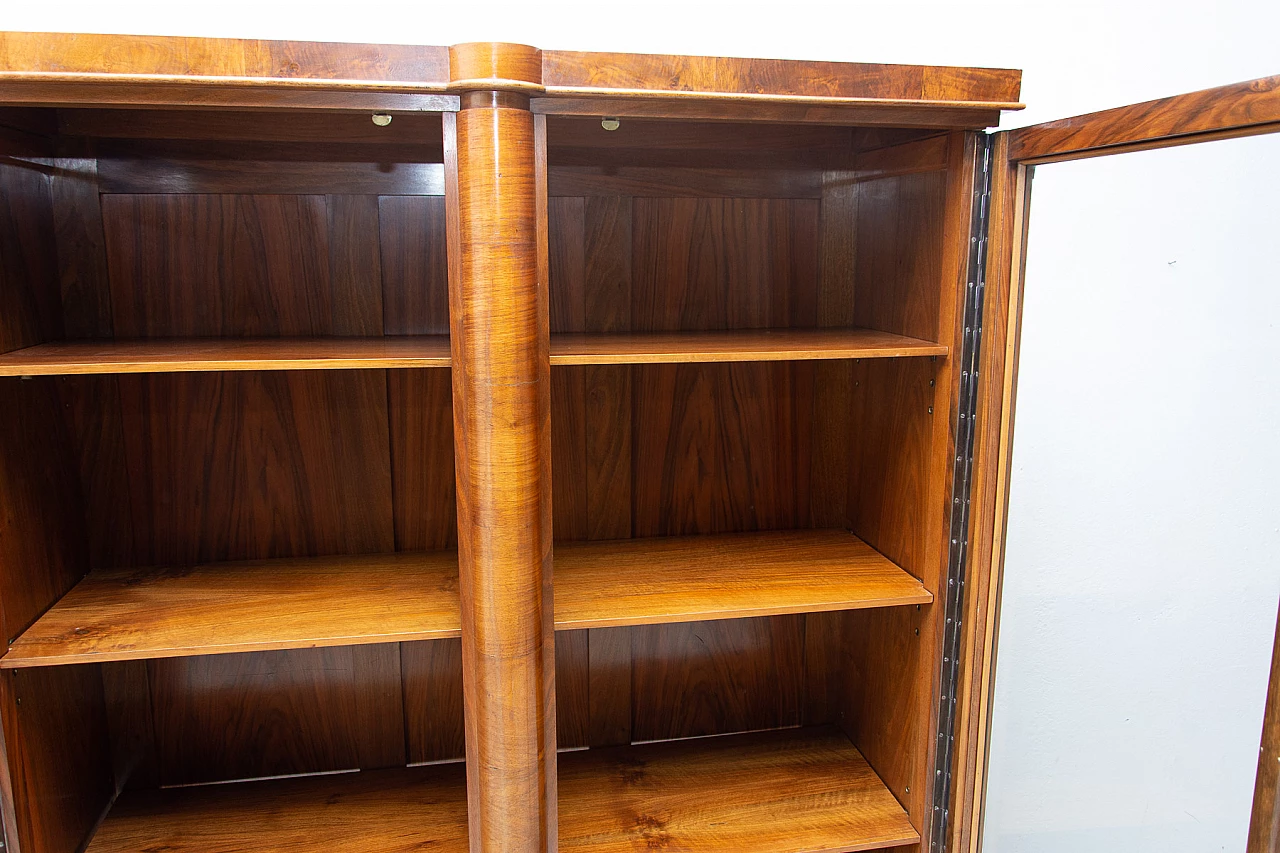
[(181, 292)]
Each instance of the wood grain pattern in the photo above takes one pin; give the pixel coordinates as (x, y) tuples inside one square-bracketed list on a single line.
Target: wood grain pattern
[(778, 110), (433, 704), (806, 791), (683, 182), (1239, 109), (228, 265), (126, 686), (703, 678), (731, 346), (82, 258), (388, 811), (43, 546), (302, 465), (415, 268), (678, 579), (244, 716), (799, 792), (251, 126), (126, 614), (59, 770), (900, 479), (707, 263), (138, 170), (68, 55), (575, 141), (501, 383), (719, 448), (578, 73), (123, 614), (188, 355), (573, 684), (77, 68), (424, 498), (609, 686), (29, 304)]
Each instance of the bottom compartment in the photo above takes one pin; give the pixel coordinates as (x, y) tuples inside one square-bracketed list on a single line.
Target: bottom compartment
[(790, 791)]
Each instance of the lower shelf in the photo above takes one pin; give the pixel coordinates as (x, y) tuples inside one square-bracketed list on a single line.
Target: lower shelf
[(793, 791)]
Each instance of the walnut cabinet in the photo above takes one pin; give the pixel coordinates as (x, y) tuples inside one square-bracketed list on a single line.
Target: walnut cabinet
[(421, 448)]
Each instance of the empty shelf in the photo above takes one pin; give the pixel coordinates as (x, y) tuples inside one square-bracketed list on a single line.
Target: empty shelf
[(178, 355), (725, 576), (751, 345), (123, 614), (793, 791), (175, 355), (378, 811)]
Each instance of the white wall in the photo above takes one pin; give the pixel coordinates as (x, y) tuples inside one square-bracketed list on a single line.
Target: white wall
[(1142, 572)]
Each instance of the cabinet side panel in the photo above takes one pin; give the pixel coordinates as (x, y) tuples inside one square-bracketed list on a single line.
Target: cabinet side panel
[(59, 759), (912, 248), (30, 306)]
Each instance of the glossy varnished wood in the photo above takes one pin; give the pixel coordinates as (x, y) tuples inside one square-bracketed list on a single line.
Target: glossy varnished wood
[(185, 355), (238, 607), (806, 791), (495, 165), (53, 68), (125, 614), (246, 716), (58, 776), (1241, 109), (748, 345), (798, 791), (677, 579), (388, 811)]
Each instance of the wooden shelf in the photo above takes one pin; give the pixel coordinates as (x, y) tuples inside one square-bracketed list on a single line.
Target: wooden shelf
[(791, 791), (126, 614), (727, 576), (175, 355), (751, 345)]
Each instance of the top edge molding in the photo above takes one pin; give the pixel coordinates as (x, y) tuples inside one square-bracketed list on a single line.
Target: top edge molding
[(61, 69)]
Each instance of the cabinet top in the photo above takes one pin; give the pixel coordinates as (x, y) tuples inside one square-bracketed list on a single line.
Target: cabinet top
[(68, 69)]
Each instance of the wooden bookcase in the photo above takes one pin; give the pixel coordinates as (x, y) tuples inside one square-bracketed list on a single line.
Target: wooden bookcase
[(490, 478)]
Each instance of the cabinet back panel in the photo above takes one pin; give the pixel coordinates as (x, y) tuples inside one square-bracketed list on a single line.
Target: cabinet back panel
[(415, 272), (231, 466), (420, 411), (242, 716), (208, 265)]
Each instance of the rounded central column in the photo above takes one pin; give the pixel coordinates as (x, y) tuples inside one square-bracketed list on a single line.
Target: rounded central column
[(502, 433)]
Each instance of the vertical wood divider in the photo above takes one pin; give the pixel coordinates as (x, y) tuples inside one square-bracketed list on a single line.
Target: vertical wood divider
[(500, 339)]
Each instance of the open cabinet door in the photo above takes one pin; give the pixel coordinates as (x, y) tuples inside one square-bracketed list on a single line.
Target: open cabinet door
[(1242, 109)]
